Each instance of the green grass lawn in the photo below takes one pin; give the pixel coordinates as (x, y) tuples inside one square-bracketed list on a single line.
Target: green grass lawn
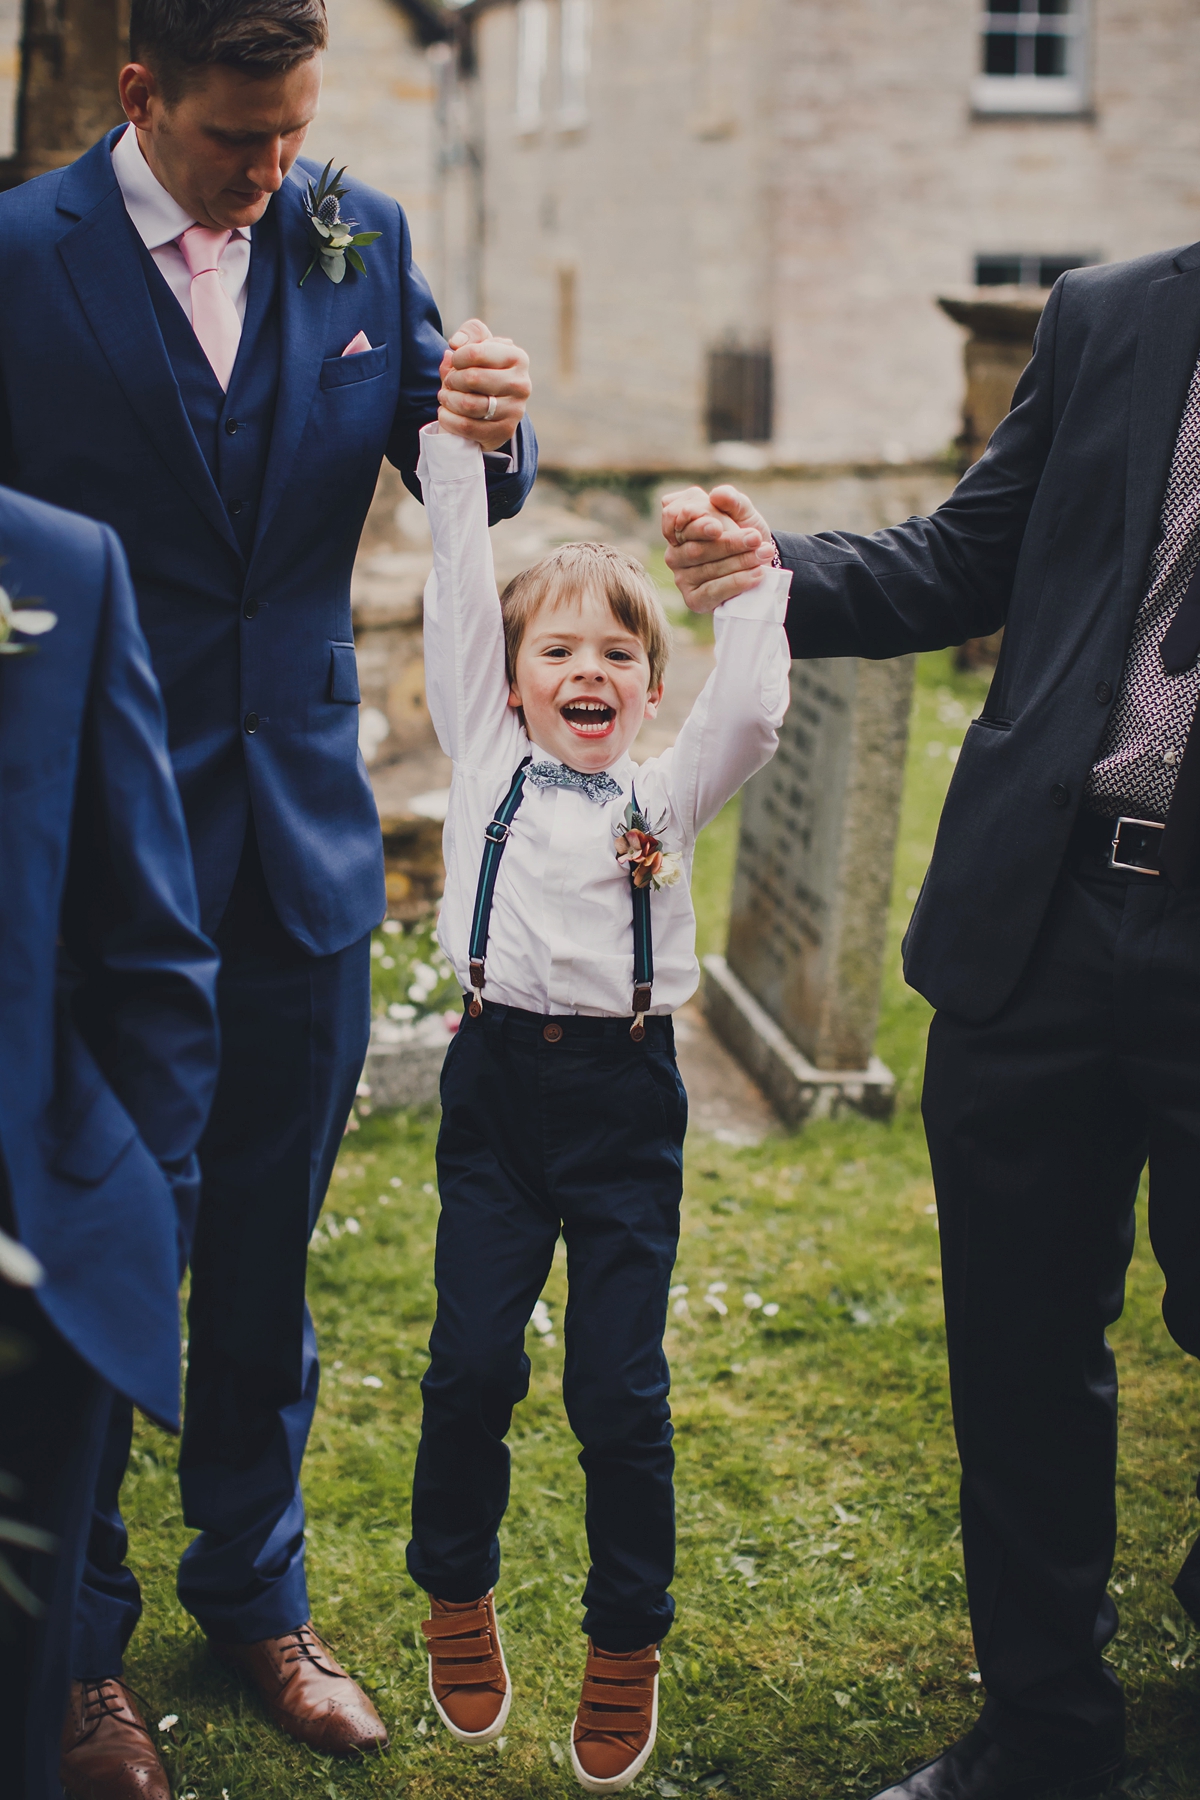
[(822, 1641)]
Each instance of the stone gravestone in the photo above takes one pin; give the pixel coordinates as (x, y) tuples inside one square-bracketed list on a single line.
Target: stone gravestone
[(797, 997)]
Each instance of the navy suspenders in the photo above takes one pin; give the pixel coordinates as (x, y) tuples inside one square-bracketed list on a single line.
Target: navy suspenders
[(496, 834)]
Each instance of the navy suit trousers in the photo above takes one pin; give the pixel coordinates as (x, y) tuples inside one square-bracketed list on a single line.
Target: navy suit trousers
[(1040, 1122), (294, 1032), (579, 1133)]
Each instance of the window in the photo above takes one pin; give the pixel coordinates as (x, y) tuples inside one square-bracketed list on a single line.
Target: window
[(740, 396), (533, 42), (575, 55), (1033, 57), (1019, 270)]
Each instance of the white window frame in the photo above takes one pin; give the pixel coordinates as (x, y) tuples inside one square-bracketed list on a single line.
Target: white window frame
[(575, 62), (533, 59), (1029, 93)]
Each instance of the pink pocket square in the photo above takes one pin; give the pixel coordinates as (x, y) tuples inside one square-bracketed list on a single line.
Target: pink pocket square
[(357, 345)]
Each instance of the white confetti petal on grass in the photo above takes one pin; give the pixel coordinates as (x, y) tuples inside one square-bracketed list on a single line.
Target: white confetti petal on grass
[(718, 1287), (540, 1319), (770, 1309), (371, 1381), (427, 1187), (353, 1227), (717, 1304), (931, 1211), (752, 1301), (682, 1310), (681, 1287), (166, 1722), (395, 1182), (393, 927)]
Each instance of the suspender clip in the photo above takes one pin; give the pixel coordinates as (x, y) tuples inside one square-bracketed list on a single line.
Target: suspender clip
[(496, 831), (476, 1006), (641, 1006)]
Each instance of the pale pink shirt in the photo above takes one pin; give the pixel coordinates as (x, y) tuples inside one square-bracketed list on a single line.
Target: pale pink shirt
[(160, 221), (562, 919)]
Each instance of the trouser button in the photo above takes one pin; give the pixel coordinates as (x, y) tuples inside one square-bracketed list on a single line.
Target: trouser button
[(552, 1033)]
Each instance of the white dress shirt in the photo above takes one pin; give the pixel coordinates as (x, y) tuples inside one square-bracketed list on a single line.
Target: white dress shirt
[(561, 938), (160, 221)]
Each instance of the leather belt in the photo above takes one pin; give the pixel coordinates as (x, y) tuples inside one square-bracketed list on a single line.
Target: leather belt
[(1128, 845)]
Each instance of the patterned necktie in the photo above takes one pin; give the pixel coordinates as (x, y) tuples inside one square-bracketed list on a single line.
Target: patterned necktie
[(599, 787), (214, 316)]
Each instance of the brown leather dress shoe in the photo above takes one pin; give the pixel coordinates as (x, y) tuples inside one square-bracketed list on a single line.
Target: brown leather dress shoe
[(468, 1677), (617, 1721), (308, 1693), (107, 1750)]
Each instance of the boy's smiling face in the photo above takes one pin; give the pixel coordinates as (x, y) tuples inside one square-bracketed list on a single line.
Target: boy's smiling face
[(583, 680)]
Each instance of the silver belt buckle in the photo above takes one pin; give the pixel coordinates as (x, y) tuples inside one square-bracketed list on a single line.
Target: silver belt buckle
[(1139, 825)]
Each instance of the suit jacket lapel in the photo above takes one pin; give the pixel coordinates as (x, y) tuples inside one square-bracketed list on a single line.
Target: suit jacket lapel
[(303, 316), (102, 261), (1168, 346)]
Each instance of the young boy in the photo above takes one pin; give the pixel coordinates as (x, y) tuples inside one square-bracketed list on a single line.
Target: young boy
[(568, 919)]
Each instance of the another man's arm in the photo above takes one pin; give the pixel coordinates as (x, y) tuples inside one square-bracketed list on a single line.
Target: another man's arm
[(917, 586), (145, 997), (455, 383)]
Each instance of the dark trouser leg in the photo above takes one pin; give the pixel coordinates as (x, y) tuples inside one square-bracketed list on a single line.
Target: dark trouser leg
[(587, 1131), (1037, 1134), (294, 1035), (110, 1601), (495, 1243), (53, 1410)]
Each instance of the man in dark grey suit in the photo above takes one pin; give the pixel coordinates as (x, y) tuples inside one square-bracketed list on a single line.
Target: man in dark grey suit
[(1058, 936)]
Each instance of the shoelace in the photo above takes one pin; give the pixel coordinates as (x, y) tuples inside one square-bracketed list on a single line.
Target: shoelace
[(303, 1645), (98, 1698)]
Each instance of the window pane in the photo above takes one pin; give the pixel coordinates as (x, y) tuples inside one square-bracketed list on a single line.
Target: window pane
[(1049, 8), (740, 396), (999, 53), (1003, 6), (1050, 54), (997, 271)]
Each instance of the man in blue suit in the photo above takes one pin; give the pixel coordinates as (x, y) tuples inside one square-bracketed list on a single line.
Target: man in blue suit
[(108, 1058), (176, 361)]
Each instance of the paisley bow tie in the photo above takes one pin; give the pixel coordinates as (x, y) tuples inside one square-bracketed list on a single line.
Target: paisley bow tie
[(599, 787)]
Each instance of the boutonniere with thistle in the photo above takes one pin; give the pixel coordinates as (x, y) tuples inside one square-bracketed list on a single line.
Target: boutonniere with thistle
[(335, 241), (639, 851), (26, 621)]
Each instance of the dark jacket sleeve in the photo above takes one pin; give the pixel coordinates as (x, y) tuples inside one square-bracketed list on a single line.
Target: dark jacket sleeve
[(936, 581), (143, 977), (422, 348)]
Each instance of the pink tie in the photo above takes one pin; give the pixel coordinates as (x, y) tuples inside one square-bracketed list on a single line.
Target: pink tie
[(214, 316)]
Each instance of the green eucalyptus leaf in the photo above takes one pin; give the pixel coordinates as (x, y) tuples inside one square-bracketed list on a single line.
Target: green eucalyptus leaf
[(366, 237), (334, 266), (17, 649), (356, 262)]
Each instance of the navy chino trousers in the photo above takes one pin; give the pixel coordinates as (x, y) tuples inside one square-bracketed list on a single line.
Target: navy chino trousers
[(294, 1032), (1040, 1122), (550, 1126)]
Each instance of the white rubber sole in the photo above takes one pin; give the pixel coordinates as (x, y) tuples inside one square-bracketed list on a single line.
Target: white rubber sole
[(497, 1726), (628, 1776)]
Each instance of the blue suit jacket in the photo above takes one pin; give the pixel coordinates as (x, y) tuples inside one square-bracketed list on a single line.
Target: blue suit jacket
[(91, 417), (108, 1045)]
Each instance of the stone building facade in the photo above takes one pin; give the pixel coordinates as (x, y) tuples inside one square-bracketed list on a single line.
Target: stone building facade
[(732, 217)]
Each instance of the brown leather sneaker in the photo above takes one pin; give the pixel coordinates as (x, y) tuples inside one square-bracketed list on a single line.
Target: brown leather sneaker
[(107, 1750), (617, 1721), (468, 1677), (307, 1692)]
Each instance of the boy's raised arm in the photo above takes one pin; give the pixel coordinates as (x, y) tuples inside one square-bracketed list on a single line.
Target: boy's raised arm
[(465, 682), (733, 728)]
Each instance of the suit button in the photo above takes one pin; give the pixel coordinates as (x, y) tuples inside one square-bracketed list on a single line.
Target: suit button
[(552, 1033), (251, 723), (250, 609), (1103, 692), (235, 507), (231, 426), (1060, 795)]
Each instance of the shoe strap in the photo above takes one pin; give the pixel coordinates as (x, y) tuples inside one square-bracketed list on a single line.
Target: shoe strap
[(467, 1674), (602, 1669), (457, 1624)]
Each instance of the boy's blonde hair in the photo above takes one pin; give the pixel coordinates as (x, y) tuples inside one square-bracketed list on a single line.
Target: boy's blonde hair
[(566, 575)]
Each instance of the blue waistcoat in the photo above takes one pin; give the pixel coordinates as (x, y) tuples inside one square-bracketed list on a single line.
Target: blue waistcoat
[(232, 429)]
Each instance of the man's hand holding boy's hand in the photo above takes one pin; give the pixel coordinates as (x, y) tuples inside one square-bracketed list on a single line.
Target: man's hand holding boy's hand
[(717, 544), (485, 386)]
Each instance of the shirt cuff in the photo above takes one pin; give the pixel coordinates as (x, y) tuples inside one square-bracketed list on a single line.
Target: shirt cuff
[(445, 457), (765, 603)]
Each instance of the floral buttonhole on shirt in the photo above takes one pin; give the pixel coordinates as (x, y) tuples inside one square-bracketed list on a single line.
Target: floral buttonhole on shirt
[(639, 851), (333, 240)]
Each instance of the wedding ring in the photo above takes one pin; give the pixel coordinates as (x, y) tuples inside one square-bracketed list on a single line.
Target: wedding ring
[(493, 408)]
